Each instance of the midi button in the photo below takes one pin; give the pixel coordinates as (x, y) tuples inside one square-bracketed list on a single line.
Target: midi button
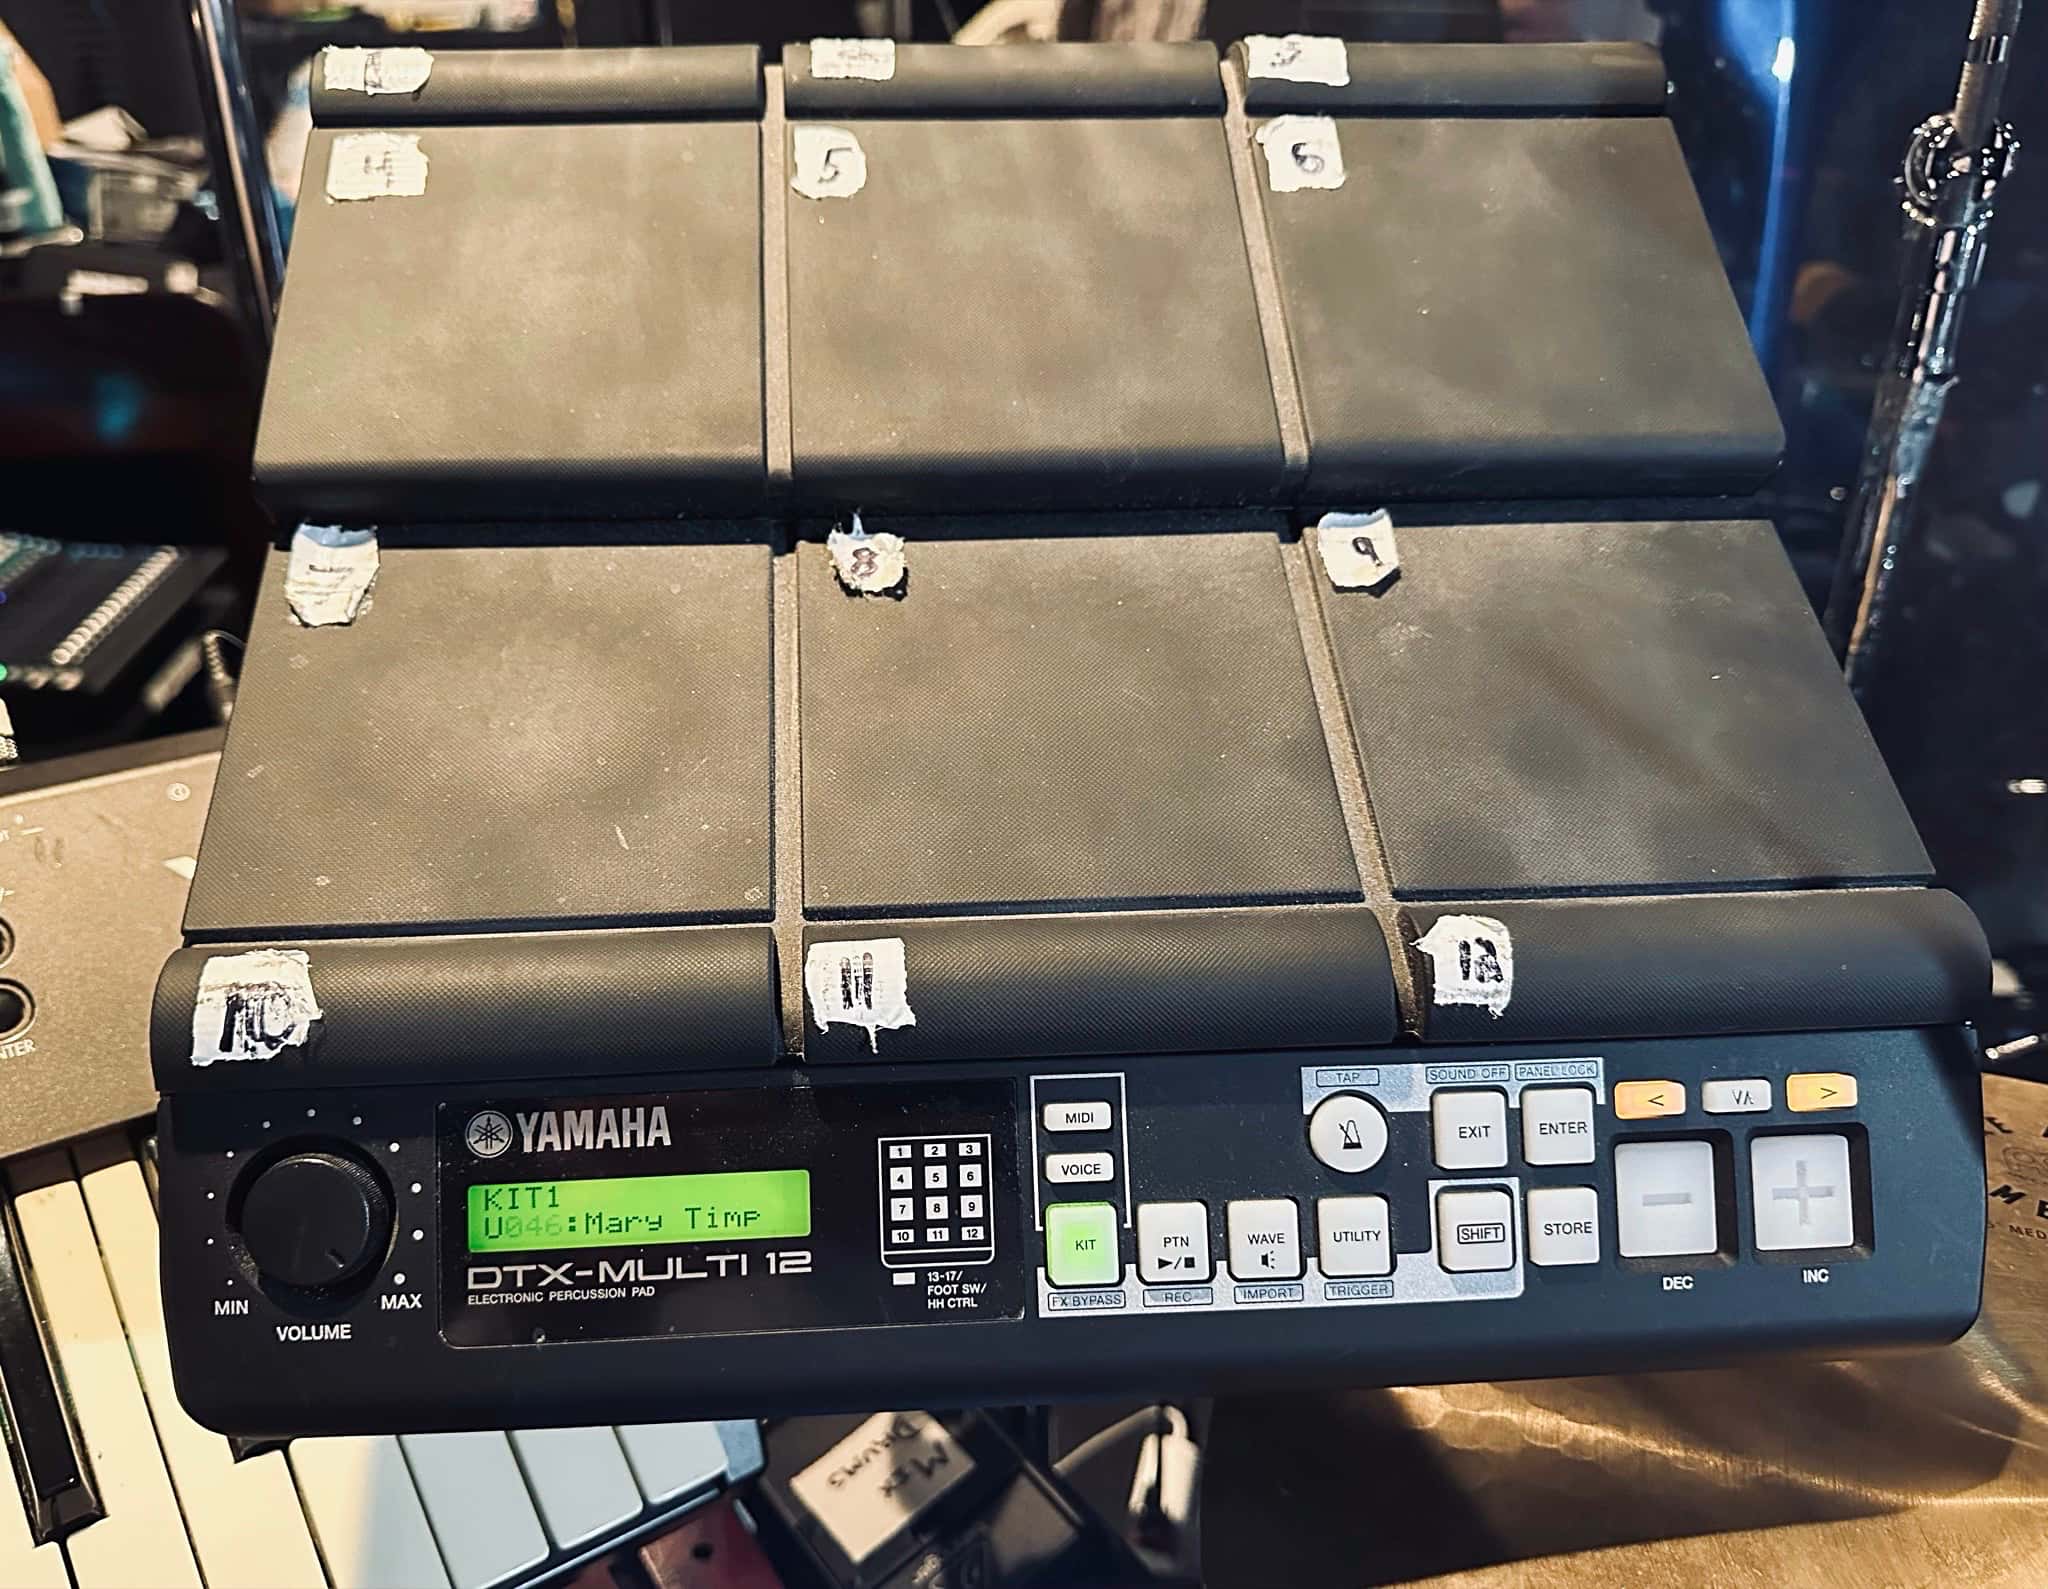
[(1094, 1116), (1470, 1129)]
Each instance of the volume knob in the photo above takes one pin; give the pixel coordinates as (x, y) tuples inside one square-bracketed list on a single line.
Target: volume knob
[(315, 1219)]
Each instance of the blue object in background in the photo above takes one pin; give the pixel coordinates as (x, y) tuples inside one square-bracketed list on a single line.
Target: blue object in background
[(23, 169)]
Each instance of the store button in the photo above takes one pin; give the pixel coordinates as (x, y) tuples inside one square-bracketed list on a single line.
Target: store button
[(1564, 1225), (1081, 1245)]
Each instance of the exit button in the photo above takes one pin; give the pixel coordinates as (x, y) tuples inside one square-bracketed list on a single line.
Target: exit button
[(1081, 1245)]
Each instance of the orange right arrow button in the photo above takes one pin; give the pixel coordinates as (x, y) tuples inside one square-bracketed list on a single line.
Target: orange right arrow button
[(1820, 1089)]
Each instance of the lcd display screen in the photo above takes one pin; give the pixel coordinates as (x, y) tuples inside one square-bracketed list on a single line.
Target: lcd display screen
[(639, 1210)]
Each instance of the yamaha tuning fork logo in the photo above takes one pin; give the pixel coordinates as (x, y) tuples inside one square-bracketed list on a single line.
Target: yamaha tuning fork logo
[(488, 1133)]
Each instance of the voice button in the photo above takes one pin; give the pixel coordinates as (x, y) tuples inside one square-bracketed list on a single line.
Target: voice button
[(1066, 1169)]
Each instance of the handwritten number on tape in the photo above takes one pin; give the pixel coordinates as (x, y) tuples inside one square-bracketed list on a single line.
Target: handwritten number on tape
[(826, 162), (1471, 961), (1302, 152)]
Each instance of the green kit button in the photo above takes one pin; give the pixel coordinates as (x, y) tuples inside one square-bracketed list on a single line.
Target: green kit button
[(1080, 1245)]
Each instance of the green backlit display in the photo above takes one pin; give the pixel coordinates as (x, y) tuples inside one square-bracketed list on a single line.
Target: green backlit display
[(639, 1210)]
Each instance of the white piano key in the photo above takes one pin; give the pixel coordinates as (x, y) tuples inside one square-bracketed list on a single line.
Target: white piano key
[(483, 1519), (671, 1459), (579, 1480), (243, 1518), (23, 1563), (141, 1540), (365, 1513)]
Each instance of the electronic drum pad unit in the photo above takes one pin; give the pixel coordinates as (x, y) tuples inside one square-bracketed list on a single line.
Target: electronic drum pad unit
[(941, 726)]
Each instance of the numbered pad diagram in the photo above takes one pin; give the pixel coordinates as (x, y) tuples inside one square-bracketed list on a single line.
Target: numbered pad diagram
[(935, 1197)]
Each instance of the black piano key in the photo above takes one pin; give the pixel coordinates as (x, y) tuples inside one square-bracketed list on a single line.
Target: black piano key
[(247, 1446), (43, 1444)]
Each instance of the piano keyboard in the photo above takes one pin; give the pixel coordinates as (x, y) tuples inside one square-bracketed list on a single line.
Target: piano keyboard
[(116, 1488)]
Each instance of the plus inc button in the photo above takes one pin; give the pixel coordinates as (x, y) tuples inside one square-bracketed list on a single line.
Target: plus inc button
[(1802, 1188)]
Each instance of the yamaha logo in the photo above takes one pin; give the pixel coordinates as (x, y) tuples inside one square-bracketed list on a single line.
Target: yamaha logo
[(488, 1134)]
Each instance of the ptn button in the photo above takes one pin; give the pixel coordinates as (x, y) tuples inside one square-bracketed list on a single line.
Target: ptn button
[(1173, 1243)]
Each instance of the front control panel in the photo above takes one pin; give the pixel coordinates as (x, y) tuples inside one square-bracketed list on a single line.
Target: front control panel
[(781, 1240)]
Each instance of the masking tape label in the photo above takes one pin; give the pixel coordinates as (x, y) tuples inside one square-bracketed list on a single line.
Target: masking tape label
[(859, 982), (403, 70), (1358, 549), (376, 165), (1297, 58), (329, 575), (253, 1006), (868, 564), (1472, 961), (826, 162), (1302, 152), (873, 60)]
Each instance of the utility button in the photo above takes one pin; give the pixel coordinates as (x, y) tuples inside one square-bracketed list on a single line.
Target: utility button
[(1351, 1236), (1820, 1090), (1081, 1245)]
